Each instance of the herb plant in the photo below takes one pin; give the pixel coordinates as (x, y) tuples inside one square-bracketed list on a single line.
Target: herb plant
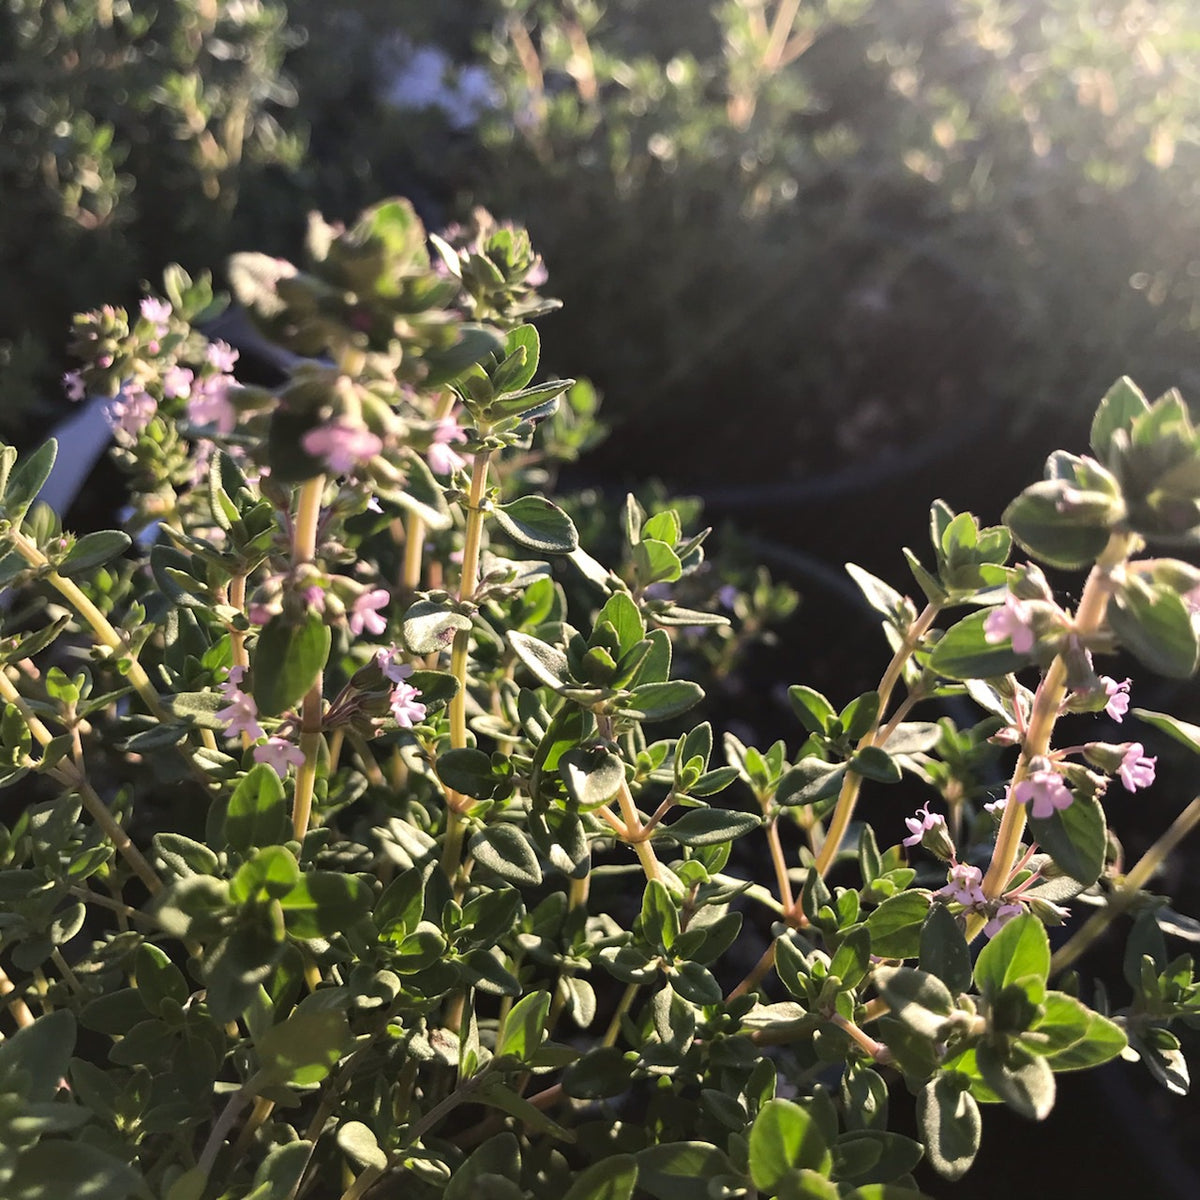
[(365, 845)]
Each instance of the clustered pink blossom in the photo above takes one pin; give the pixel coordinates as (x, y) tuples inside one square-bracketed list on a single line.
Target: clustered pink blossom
[(222, 356), (403, 700), (279, 754), (442, 460), (210, 405), (1045, 790), (1118, 697), (364, 612), (404, 706), (918, 825), (241, 713), (1001, 917), (341, 445), (965, 885), (130, 412), (157, 312), (1013, 619), (1136, 769), (177, 382)]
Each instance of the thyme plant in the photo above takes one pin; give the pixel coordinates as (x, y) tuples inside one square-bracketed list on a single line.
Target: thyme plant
[(366, 847)]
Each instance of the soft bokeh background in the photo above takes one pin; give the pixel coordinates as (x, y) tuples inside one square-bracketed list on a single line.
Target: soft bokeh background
[(825, 261)]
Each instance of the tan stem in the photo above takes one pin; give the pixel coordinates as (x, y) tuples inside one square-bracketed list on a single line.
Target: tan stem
[(19, 1009), (466, 591), (781, 871), (1130, 886), (304, 549), (1089, 617), (106, 635), (852, 782)]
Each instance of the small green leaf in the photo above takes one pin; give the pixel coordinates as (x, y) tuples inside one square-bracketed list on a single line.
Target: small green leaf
[(535, 523), (287, 661), (593, 775), (872, 762), (325, 903), (506, 851), (257, 812), (54, 1169), (1123, 403), (660, 917), (964, 653), (1183, 732), (611, 1178), (92, 550), (710, 826), (921, 1000), (27, 479), (670, 1171), (950, 1126), (879, 595), (661, 701), (467, 771), (524, 1027), (896, 925), (1020, 950), (1153, 623), (303, 1049), (811, 708), (1055, 534), (1073, 1037), (858, 717), (1023, 1081), (430, 626), (853, 956), (546, 663), (944, 949), (783, 1137), (810, 780), (40, 1052), (1076, 837), (360, 1144)]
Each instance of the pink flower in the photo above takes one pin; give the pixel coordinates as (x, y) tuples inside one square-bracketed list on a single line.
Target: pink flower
[(364, 612), (157, 312), (1136, 770), (222, 356), (1003, 915), (387, 662), (130, 413), (404, 706), (1118, 698), (964, 885), (260, 614), (74, 386), (241, 714), (1013, 620), (997, 806), (919, 824), (279, 753), (342, 446), (442, 460), (177, 382), (209, 404), (1045, 790)]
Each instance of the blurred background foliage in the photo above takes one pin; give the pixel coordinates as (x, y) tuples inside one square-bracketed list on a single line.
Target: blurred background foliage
[(804, 229)]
